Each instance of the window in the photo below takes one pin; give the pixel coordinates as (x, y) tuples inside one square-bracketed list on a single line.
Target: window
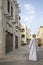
[(23, 36), (19, 17), (22, 30), (8, 6), (11, 11)]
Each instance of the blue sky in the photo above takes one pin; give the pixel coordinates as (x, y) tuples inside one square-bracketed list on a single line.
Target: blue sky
[(31, 14)]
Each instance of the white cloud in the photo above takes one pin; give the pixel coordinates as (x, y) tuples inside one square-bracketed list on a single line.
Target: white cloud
[(28, 19), (28, 15), (28, 6), (29, 9), (25, 18)]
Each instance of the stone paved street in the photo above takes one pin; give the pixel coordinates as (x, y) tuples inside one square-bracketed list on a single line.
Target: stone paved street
[(20, 57)]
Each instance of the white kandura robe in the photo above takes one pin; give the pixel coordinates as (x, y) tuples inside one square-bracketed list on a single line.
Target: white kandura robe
[(32, 50)]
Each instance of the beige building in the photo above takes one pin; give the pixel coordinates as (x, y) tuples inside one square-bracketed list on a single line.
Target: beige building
[(25, 34), (28, 35), (9, 26), (40, 34)]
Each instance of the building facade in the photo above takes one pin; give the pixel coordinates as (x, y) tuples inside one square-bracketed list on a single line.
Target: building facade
[(25, 34), (28, 35), (9, 26), (40, 34)]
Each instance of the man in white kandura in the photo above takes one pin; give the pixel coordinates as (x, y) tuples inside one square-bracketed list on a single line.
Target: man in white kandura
[(33, 49)]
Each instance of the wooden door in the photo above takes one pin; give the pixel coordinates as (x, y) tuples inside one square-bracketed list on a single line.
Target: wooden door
[(9, 42), (16, 42)]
